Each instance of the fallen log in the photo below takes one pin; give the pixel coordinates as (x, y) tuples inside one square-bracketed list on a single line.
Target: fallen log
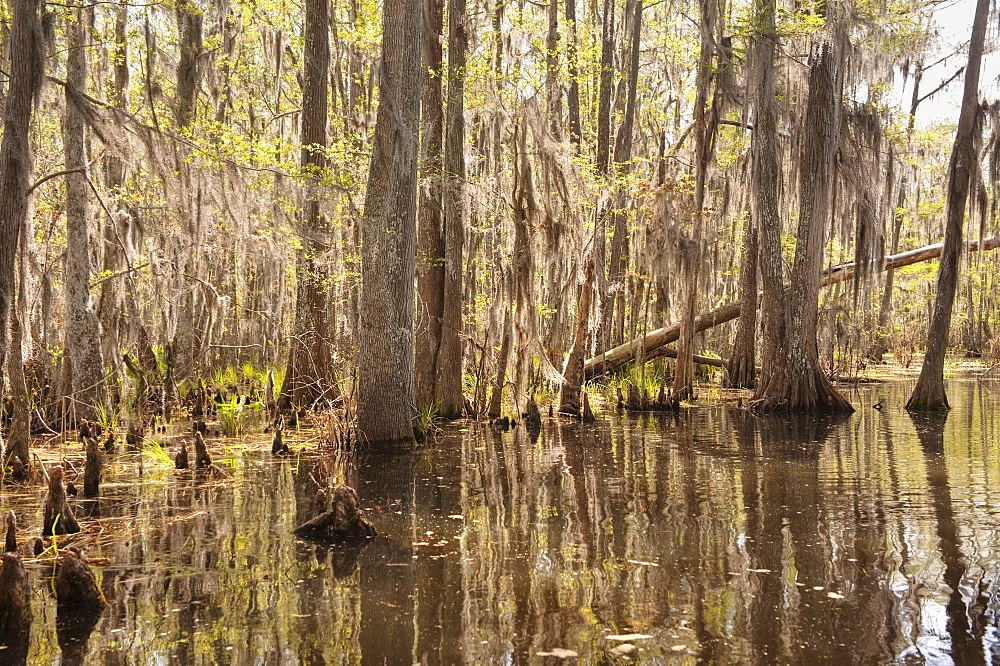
[(670, 352), (642, 347)]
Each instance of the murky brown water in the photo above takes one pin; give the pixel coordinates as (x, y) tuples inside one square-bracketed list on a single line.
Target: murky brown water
[(709, 537)]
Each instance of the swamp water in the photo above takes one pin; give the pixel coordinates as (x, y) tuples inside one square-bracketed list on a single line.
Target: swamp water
[(710, 536)]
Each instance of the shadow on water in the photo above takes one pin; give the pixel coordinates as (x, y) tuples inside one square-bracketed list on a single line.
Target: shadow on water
[(704, 536)]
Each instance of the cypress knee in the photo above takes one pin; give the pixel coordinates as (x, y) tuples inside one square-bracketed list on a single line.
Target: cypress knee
[(59, 518)]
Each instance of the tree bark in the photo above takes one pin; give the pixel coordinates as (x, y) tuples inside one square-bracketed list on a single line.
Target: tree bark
[(791, 376), (83, 346), (189, 22), (385, 393), (26, 74), (309, 375), (573, 91), (741, 371), (569, 391), (448, 381), (430, 213), (553, 87), (607, 73), (929, 393), (705, 125)]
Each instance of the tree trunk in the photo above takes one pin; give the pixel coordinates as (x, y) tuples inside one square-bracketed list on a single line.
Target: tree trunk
[(189, 20), (569, 391), (705, 124), (741, 371), (24, 83), (573, 91), (448, 381), (388, 238), (109, 310), (496, 395), (309, 374), (791, 376), (430, 215), (613, 317), (929, 393), (604, 93), (83, 346), (553, 87)]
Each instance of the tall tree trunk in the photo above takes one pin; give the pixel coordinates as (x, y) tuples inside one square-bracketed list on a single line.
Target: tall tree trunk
[(765, 181), (430, 213), (929, 393), (109, 308), (26, 74), (573, 91), (448, 382), (83, 346), (309, 375), (613, 316), (553, 87), (705, 124), (189, 71), (607, 73), (791, 376), (388, 239)]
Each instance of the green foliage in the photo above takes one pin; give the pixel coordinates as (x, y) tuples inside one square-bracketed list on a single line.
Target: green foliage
[(153, 449), (236, 417), (107, 415)]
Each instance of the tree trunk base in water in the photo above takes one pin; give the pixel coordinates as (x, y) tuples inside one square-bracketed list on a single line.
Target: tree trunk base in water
[(927, 401), (345, 520), (805, 391)]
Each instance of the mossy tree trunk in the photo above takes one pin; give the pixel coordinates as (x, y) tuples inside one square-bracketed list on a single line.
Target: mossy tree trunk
[(385, 393)]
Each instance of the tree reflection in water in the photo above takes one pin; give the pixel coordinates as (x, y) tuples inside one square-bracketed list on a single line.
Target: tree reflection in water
[(707, 535)]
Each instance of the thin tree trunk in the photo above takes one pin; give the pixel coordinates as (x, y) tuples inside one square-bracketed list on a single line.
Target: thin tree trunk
[(388, 239), (552, 79), (569, 391), (83, 346), (309, 375), (705, 124), (604, 93), (573, 91), (929, 393), (109, 308), (613, 317), (500, 380), (448, 382)]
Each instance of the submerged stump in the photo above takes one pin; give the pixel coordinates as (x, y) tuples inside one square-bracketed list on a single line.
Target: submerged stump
[(76, 586), (15, 595), (59, 518), (181, 459), (278, 445), (93, 469), (344, 520)]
